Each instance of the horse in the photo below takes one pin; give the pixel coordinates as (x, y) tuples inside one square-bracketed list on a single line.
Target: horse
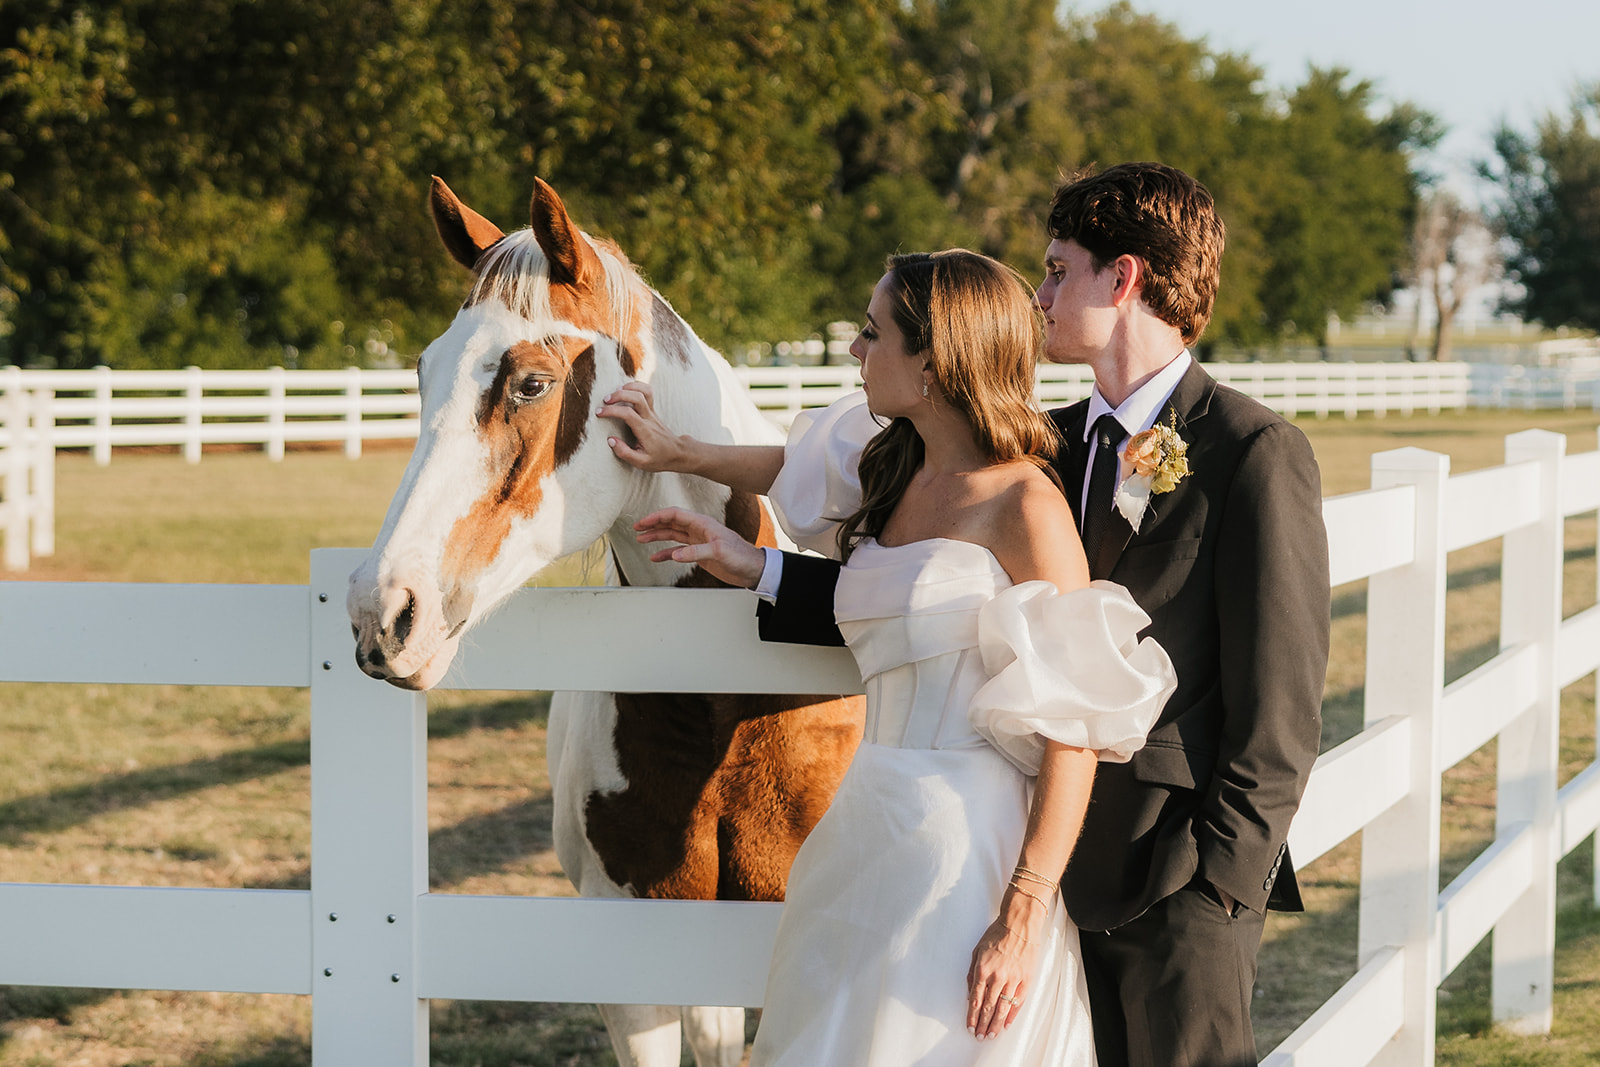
[(676, 795)]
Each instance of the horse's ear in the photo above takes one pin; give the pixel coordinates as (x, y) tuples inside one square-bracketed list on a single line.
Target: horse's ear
[(465, 233), (572, 261)]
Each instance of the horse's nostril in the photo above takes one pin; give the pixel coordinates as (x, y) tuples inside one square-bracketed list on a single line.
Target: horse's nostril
[(400, 629)]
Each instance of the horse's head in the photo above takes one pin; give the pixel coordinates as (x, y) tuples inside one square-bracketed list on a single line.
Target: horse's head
[(511, 468)]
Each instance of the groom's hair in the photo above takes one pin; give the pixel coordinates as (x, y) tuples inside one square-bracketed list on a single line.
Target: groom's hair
[(1160, 215)]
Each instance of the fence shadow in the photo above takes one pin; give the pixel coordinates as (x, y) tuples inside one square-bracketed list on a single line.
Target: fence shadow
[(62, 809)]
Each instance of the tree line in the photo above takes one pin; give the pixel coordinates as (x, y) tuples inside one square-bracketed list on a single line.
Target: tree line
[(235, 183)]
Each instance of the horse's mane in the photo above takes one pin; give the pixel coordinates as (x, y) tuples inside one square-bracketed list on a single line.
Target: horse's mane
[(516, 272)]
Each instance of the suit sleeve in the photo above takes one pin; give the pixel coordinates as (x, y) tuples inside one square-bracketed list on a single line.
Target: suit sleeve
[(803, 613), (1272, 601)]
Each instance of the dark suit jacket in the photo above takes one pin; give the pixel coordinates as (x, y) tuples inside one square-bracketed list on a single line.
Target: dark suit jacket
[(1232, 567)]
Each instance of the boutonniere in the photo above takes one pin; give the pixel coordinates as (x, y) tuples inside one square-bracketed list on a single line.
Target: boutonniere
[(1154, 461)]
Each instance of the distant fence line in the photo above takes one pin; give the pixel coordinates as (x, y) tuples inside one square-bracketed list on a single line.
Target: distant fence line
[(103, 409)]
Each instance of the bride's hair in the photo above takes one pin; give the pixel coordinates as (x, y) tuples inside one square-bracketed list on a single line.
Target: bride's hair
[(974, 322)]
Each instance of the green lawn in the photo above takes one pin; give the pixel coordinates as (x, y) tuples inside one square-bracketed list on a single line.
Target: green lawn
[(172, 785)]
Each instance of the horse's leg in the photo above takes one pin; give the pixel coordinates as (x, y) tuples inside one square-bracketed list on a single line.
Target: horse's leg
[(582, 760), (716, 1035), (644, 1035)]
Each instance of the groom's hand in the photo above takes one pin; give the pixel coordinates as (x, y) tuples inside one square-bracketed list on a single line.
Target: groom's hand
[(722, 553)]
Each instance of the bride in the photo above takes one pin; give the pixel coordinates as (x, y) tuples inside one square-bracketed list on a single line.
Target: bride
[(923, 923)]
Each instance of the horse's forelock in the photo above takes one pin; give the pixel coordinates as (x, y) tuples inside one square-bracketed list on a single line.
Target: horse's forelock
[(516, 273)]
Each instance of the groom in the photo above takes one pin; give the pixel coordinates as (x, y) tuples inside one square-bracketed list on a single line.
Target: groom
[(1184, 848)]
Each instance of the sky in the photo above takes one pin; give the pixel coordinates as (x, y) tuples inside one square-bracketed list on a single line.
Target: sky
[(1473, 63)]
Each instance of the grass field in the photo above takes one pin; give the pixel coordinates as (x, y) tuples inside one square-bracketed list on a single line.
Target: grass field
[(171, 785)]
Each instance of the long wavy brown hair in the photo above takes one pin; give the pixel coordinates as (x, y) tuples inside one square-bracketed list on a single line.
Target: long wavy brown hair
[(973, 320)]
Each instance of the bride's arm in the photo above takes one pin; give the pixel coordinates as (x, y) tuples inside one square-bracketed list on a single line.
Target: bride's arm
[(1044, 545), (1003, 959), (751, 468)]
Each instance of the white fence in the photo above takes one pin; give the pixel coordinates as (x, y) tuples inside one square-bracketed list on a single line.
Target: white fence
[(102, 409), (370, 944), (27, 476), (1317, 389)]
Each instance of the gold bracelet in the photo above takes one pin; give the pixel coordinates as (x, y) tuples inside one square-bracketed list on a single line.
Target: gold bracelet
[(1012, 932), (1032, 896), (1032, 876)]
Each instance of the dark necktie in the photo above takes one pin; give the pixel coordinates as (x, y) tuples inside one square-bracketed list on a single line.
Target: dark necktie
[(1104, 528)]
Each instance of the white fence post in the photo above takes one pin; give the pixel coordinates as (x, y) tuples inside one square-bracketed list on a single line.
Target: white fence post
[(369, 845), (102, 415), (14, 416), (276, 394), (1405, 678), (1529, 750), (42, 488), (352, 415), (194, 395)]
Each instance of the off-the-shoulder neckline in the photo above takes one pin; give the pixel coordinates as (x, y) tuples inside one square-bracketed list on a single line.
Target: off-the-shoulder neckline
[(985, 549)]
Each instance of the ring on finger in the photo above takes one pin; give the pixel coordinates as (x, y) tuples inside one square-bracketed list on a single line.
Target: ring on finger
[(1009, 1000)]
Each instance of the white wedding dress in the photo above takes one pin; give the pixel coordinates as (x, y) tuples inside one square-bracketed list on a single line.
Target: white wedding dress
[(965, 674)]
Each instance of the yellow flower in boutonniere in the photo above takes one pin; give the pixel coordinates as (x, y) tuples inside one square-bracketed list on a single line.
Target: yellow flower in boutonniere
[(1154, 461)]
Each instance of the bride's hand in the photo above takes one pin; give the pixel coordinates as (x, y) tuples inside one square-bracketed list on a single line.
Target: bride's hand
[(654, 447), (998, 978), (723, 553)]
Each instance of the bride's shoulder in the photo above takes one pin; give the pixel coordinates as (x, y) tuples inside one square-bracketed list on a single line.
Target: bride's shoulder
[(1027, 488), (1032, 529)]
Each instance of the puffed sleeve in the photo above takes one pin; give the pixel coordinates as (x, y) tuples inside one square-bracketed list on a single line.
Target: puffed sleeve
[(1068, 667), (819, 485)]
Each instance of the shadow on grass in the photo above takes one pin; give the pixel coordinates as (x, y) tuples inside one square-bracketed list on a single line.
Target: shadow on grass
[(64, 808), (1467, 1036)]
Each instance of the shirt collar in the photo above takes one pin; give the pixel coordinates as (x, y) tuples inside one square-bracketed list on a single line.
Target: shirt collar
[(1139, 411)]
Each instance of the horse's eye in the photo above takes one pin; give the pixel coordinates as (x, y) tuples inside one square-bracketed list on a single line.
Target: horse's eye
[(531, 388)]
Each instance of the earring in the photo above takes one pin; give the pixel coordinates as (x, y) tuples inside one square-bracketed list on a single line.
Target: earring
[(924, 390)]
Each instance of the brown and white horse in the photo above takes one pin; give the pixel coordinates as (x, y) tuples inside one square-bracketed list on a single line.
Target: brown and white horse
[(655, 795)]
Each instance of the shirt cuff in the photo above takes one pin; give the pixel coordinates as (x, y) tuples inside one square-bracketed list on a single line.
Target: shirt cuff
[(771, 576)]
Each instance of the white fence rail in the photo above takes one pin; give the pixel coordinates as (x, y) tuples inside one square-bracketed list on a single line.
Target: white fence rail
[(370, 944)]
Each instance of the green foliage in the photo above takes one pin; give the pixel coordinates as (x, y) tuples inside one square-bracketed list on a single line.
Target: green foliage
[(1550, 209), (220, 275), (221, 182), (1338, 213)]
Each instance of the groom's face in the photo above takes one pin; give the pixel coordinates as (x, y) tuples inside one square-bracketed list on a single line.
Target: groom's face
[(1079, 313)]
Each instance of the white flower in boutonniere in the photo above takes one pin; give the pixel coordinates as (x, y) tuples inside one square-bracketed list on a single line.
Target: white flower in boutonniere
[(1154, 461)]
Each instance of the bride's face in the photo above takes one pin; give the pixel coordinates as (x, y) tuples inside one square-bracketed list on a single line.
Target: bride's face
[(892, 378)]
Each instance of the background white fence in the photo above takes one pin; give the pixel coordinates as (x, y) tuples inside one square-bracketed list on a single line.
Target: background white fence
[(101, 409), (371, 944)]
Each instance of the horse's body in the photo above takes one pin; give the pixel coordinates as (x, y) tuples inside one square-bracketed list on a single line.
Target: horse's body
[(655, 795)]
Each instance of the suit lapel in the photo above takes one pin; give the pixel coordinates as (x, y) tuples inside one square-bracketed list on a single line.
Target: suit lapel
[(1189, 402), (1072, 459)]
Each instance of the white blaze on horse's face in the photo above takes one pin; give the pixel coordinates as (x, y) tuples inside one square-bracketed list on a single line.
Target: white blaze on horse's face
[(511, 469)]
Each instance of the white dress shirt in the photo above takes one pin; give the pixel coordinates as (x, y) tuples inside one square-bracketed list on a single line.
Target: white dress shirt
[(1135, 415)]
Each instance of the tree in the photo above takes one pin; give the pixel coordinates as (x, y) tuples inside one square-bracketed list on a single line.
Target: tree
[(1453, 252), (1340, 196), (223, 182), (1549, 210)]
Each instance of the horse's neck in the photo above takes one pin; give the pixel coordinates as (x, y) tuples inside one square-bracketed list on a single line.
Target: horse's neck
[(705, 401)]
